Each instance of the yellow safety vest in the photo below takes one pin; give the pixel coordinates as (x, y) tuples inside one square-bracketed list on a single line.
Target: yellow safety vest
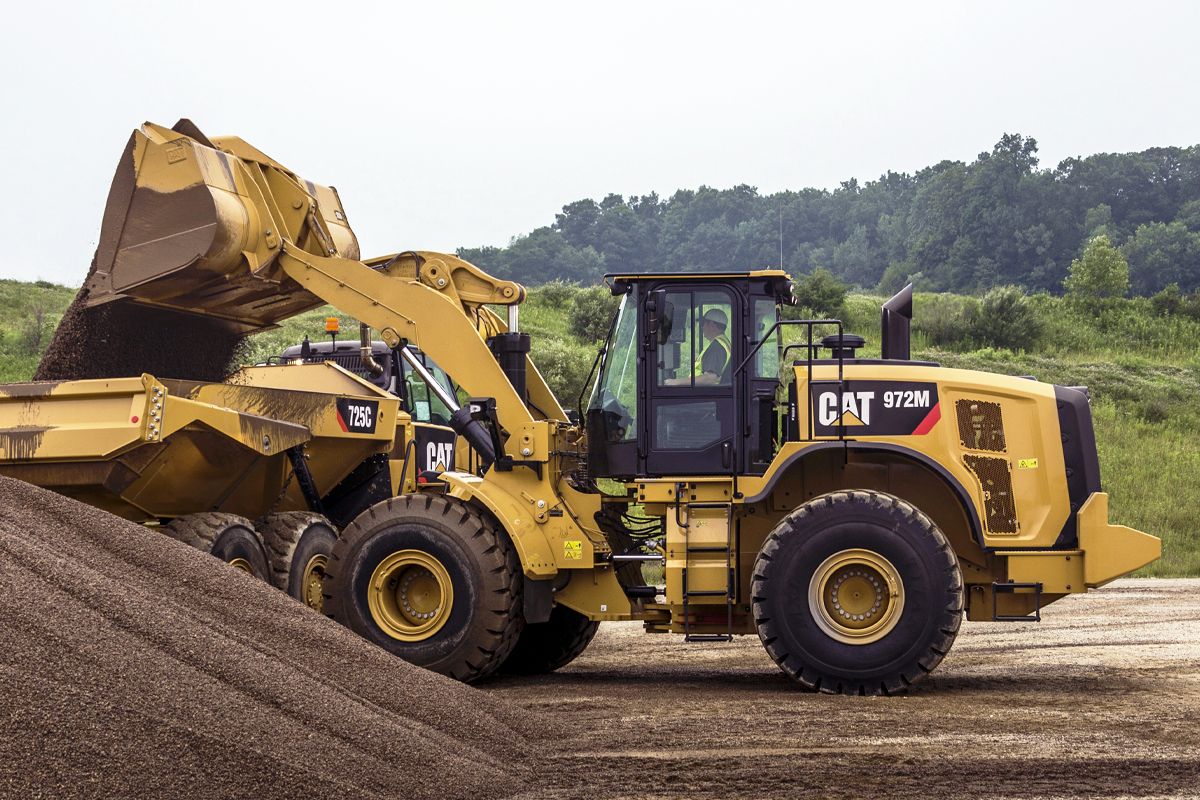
[(698, 368)]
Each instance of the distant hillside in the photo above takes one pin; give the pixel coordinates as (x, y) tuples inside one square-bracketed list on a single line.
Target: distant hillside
[(951, 227)]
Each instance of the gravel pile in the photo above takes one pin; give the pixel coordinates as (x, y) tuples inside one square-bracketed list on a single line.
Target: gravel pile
[(120, 339), (134, 666)]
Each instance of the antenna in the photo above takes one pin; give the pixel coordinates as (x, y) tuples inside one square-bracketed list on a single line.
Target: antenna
[(781, 234)]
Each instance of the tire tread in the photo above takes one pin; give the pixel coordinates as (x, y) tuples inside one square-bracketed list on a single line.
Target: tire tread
[(478, 533), (950, 613)]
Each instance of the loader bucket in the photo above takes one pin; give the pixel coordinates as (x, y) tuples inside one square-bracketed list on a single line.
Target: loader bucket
[(196, 225)]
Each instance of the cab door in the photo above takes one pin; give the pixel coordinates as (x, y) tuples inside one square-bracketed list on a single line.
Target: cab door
[(689, 418)]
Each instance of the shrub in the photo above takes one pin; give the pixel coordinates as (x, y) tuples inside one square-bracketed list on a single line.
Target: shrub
[(556, 293), (591, 313), (822, 293), (897, 274), (34, 333), (1168, 300), (943, 319), (565, 365), (1154, 410), (1190, 306), (1005, 318)]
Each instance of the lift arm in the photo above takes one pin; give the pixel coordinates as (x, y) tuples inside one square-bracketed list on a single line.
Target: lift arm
[(412, 311)]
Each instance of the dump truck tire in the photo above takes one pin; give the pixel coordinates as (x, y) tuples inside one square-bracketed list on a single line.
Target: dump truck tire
[(225, 536), (298, 546), (857, 592), (431, 580), (546, 646)]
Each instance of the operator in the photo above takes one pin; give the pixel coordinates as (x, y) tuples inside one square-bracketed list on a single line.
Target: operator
[(712, 366)]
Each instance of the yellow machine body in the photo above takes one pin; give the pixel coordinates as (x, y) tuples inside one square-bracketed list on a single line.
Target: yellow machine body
[(999, 493)]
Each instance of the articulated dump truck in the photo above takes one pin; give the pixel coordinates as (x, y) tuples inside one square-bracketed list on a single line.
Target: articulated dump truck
[(850, 511)]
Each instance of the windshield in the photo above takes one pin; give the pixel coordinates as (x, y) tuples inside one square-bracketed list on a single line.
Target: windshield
[(615, 389), (424, 405)]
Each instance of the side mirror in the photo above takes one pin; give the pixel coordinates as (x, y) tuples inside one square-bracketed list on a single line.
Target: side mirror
[(659, 317), (656, 302)]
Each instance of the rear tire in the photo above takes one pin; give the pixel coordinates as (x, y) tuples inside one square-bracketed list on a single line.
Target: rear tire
[(857, 592), (546, 646), (299, 543), (225, 536), (431, 580)]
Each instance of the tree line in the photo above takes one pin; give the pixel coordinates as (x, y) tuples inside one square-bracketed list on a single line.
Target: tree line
[(954, 226)]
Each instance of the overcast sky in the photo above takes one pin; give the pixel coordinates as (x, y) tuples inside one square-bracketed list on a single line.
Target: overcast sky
[(447, 124)]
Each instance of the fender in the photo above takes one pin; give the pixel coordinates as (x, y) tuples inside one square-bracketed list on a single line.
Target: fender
[(883, 447), (527, 535)]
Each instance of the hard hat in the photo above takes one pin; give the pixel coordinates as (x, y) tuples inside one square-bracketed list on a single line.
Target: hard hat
[(716, 315)]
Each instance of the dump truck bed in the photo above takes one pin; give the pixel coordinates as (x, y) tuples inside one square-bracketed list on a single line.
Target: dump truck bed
[(149, 449)]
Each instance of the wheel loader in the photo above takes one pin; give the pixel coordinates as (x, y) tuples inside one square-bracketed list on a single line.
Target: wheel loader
[(850, 511)]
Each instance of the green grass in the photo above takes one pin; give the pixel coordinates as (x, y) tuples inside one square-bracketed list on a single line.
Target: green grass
[(22, 339), (1152, 472), (1143, 371)]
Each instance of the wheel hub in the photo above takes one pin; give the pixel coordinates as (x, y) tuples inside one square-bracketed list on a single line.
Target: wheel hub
[(410, 595), (312, 582), (241, 564), (856, 596)]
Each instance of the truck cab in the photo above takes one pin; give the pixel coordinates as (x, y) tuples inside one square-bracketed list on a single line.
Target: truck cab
[(434, 443)]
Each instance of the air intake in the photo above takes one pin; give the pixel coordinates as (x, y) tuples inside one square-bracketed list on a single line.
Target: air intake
[(999, 506), (980, 426)]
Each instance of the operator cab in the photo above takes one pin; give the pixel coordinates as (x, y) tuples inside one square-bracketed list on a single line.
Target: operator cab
[(675, 388)]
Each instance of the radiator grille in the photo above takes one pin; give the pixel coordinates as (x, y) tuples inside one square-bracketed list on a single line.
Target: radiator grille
[(999, 506), (980, 425)]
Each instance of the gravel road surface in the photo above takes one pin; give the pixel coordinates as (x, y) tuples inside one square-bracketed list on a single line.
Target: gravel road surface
[(1102, 698)]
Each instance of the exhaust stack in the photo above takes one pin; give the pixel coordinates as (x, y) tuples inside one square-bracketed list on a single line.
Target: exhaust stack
[(895, 321)]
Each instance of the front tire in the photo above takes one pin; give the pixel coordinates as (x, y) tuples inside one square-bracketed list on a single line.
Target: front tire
[(544, 647), (857, 592), (431, 580)]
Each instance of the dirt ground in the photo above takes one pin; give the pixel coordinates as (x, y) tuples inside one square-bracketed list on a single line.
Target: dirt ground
[(1102, 698)]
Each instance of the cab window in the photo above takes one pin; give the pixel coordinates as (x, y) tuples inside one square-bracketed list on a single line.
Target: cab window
[(766, 360), (422, 404), (697, 349)]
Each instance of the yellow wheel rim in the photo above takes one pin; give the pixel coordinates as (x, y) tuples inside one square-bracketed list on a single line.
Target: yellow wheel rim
[(410, 595), (856, 596), (312, 582), (242, 564)]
